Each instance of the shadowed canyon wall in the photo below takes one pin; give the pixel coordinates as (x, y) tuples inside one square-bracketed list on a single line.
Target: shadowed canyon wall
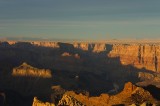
[(138, 55)]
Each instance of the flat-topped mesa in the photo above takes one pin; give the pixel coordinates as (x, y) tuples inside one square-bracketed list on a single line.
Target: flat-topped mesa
[(35, 43), (83, 46), (140, 56), (94, 47), (46, 44), (99, 47), (26, 70)]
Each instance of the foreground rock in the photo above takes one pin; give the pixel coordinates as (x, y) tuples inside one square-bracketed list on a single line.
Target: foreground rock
[(69, 101), (37, 102), (131, 94)]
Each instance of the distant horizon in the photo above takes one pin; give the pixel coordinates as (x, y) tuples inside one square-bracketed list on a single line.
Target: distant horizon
[(76, 40)]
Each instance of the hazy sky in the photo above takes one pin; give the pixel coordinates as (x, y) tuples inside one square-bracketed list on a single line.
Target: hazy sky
[(80, 19)]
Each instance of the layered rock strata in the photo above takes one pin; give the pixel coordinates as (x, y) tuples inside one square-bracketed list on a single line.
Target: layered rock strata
[(145, 56), (29, 71), (141, 56)]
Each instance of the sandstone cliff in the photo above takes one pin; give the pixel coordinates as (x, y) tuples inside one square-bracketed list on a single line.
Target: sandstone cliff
[(138, 55)]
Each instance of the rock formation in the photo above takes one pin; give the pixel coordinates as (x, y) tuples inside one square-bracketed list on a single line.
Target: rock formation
[(80, 66), (28, 80), (139, 55), (99, 47), (57, 93), (37, 102), (131, 94), (29, 71), (69, 101), (148, 79), (65, 54)]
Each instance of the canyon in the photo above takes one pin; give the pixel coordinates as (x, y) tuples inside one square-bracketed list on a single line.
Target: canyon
[(35, 68), (141, 55)]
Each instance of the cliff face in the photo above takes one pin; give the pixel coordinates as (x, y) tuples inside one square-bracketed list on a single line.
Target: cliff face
[(140, 56)]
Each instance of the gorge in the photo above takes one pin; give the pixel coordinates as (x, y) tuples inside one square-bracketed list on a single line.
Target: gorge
[(32, 69)]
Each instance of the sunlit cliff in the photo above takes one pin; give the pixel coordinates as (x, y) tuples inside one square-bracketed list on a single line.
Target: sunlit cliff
[(29, 71)]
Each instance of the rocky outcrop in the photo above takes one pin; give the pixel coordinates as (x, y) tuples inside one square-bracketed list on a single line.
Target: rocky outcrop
[(148, 79), (37, 102), (66, 54), (57, 93), (101, 100), (69, 101), (99, 47), (139, 55), (83, 46), (46, 44), (131, 94), (29, 71)]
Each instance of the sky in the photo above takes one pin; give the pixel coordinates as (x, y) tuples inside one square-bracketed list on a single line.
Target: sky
[(80, 19)]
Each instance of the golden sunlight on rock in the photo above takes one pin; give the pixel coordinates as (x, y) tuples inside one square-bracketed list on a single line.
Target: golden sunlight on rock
[(65, 54), (131, 94), (29, 71), (99, 47), (37, 102), (138, 55)]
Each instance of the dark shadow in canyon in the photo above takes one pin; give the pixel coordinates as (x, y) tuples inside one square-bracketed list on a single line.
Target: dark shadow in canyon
[(95, 73), (154, 91)]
